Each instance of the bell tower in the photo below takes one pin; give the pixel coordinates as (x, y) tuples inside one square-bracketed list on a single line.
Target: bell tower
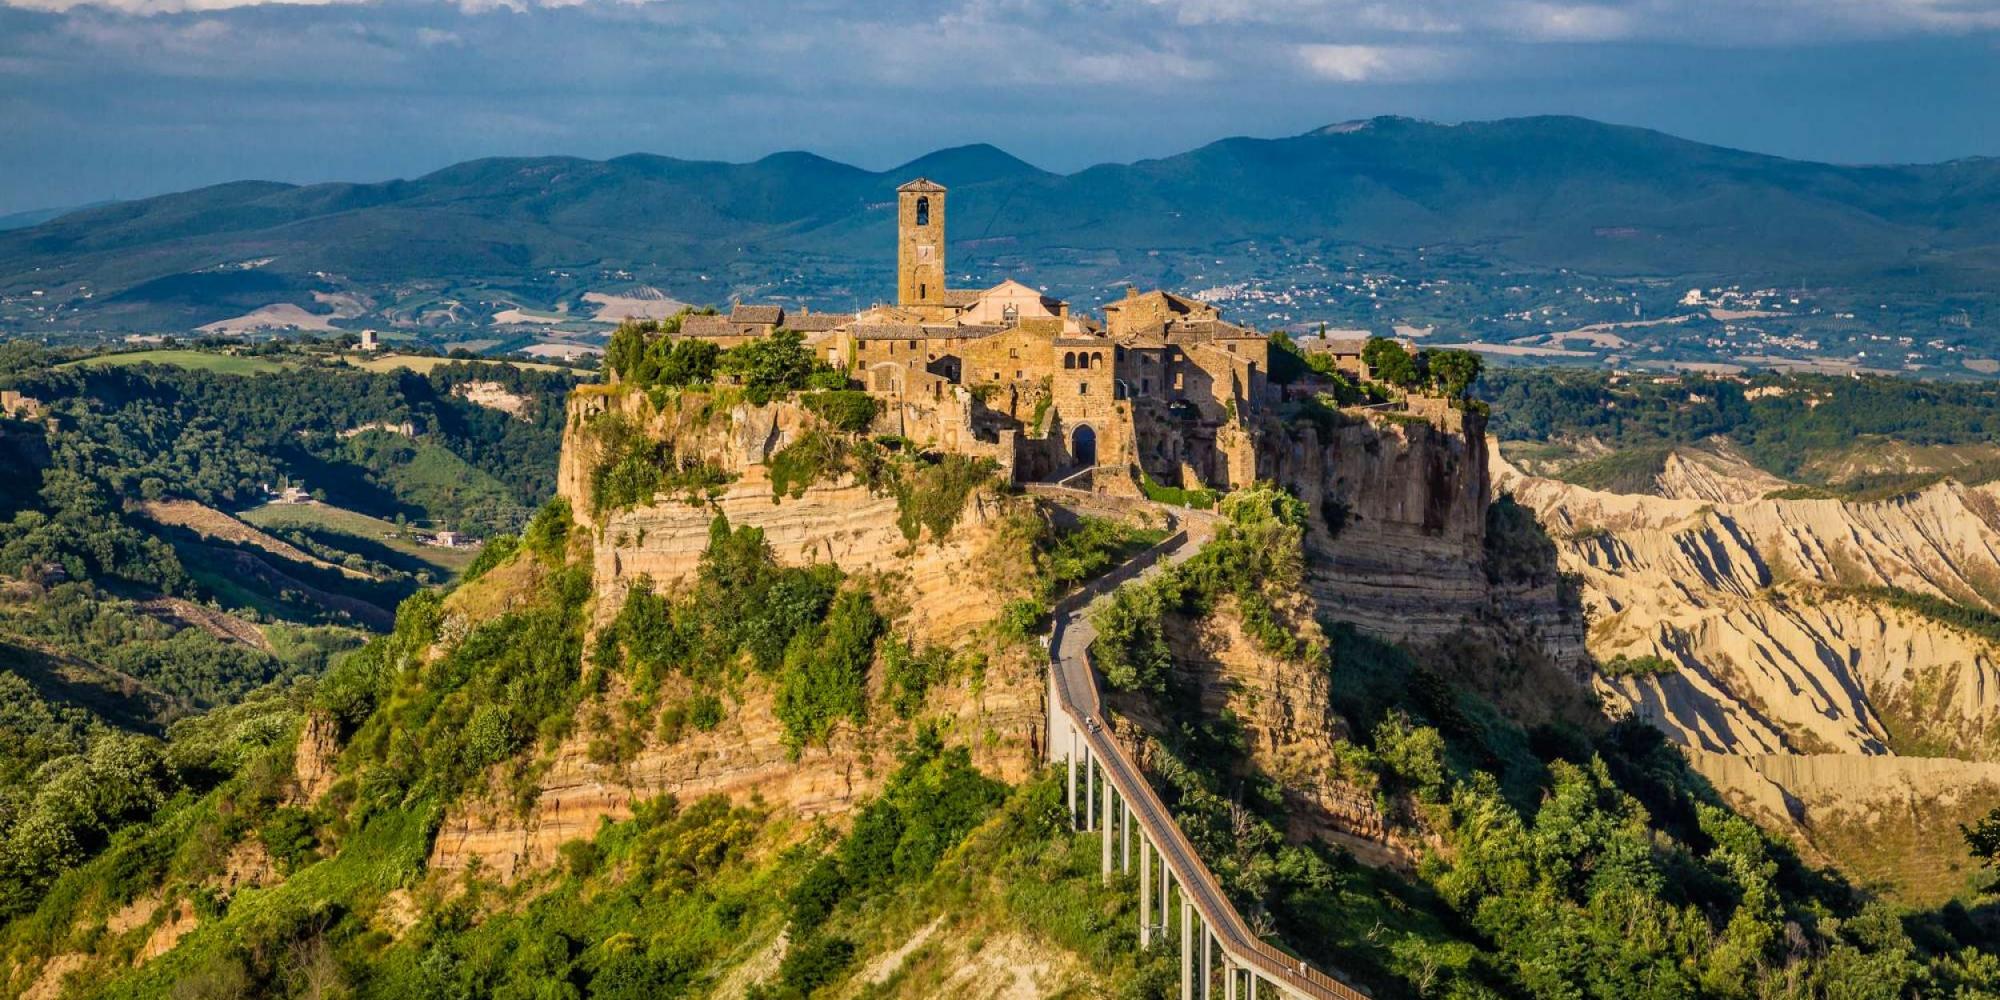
[(920, 243)]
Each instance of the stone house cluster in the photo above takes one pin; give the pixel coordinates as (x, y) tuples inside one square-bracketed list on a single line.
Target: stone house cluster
[(1161, 383)]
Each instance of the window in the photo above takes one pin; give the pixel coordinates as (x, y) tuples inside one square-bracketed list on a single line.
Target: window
[(1145, 387), (1097, 359), (1083, 388), (923, 290), (913, 345), (923, 211), (1013, 352), (1069, 359), (1230, 347)]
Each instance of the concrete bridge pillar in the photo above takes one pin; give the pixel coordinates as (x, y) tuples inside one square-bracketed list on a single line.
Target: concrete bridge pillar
[(1187, 949), (1207, 973), (1125, 835), (1108, 827), (1071, 759), (1145, 893), (1089, 790)]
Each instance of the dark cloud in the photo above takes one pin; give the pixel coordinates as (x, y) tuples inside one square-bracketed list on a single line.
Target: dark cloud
[(133, 97)]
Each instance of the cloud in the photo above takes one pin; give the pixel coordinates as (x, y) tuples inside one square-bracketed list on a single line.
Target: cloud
[(1371, 63), (1557, 22), (158, 94), (152, 7)]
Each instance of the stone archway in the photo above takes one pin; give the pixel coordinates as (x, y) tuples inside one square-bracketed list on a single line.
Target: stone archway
[(1083, 446)]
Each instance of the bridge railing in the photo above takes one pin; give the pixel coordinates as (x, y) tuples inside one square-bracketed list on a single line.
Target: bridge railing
[(1243, 947)]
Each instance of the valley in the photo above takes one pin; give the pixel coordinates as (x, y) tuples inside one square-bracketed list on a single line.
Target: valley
[(744, 689), (1538, 240)]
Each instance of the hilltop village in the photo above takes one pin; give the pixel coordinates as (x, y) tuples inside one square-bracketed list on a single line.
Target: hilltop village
[(1161, 388)]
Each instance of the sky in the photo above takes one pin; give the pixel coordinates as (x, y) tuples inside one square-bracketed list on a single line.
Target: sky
[(127, 98)]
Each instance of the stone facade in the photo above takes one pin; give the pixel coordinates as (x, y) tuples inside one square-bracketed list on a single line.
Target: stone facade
[(1162, 386)]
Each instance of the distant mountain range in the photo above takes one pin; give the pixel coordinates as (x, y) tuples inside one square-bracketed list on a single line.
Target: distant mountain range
[(1542, 194)]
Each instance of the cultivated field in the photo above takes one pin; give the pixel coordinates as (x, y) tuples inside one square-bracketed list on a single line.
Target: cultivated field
[(340, 520), (226, 364)]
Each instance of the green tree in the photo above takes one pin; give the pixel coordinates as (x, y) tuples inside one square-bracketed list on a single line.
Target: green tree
[(1390, 362), (1455, 371), (1983, 837), (770, 365)]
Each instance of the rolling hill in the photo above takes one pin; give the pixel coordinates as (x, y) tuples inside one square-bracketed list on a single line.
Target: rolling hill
[(1538, 193)]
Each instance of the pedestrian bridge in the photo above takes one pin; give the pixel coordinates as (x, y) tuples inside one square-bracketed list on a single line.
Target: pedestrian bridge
[(1115, 800)]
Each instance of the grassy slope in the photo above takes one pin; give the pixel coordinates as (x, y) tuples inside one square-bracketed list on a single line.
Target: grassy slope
[(226, 364), (361, 531)]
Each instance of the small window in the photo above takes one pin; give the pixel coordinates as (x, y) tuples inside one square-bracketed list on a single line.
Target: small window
[(923, 290), (1083, 388), (913, 345), (1013, 352), (1231, 348), (923, 211), (1017, 373)]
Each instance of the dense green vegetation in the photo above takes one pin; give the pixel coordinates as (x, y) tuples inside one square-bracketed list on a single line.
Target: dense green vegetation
[(633, 466), (1577, 859), (115, 692), (1449, 373), (814, 639), (650, 355)]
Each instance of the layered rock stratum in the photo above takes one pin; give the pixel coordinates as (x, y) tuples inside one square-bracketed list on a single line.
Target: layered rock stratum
[(1800, 671)]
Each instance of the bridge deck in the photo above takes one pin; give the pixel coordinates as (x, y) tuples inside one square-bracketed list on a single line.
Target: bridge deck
[(1075, 688)]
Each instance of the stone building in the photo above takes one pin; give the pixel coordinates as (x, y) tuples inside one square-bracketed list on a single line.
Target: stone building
[(1162, 385)]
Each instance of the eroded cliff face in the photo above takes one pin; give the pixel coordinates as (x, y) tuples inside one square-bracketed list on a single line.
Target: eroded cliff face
[(1762, 607), (1396, 541), (1798, 691), (1287, 719), (937, 591), (998, 715), (1892, 823), (1398, 511)]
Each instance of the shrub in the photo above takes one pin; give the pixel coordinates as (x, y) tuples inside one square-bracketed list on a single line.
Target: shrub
[(933, 494), (849, 410), (1647, 665), (287, 834), (814, 456), (826, 671)]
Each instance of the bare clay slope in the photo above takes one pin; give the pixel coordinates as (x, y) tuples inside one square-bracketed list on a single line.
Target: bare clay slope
[(1762, 606), (1801, 690)]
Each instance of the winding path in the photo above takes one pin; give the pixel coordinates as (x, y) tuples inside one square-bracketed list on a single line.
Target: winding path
[(1074, 701)]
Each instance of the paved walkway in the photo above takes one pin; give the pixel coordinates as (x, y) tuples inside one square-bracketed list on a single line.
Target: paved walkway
[(1074, 684)]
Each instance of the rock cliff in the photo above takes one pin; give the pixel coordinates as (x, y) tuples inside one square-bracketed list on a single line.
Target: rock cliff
[(939, 591), (1763, 607)]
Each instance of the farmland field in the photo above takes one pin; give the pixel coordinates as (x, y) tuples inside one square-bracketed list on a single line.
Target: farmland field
[(328, 519), (224, 364)]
